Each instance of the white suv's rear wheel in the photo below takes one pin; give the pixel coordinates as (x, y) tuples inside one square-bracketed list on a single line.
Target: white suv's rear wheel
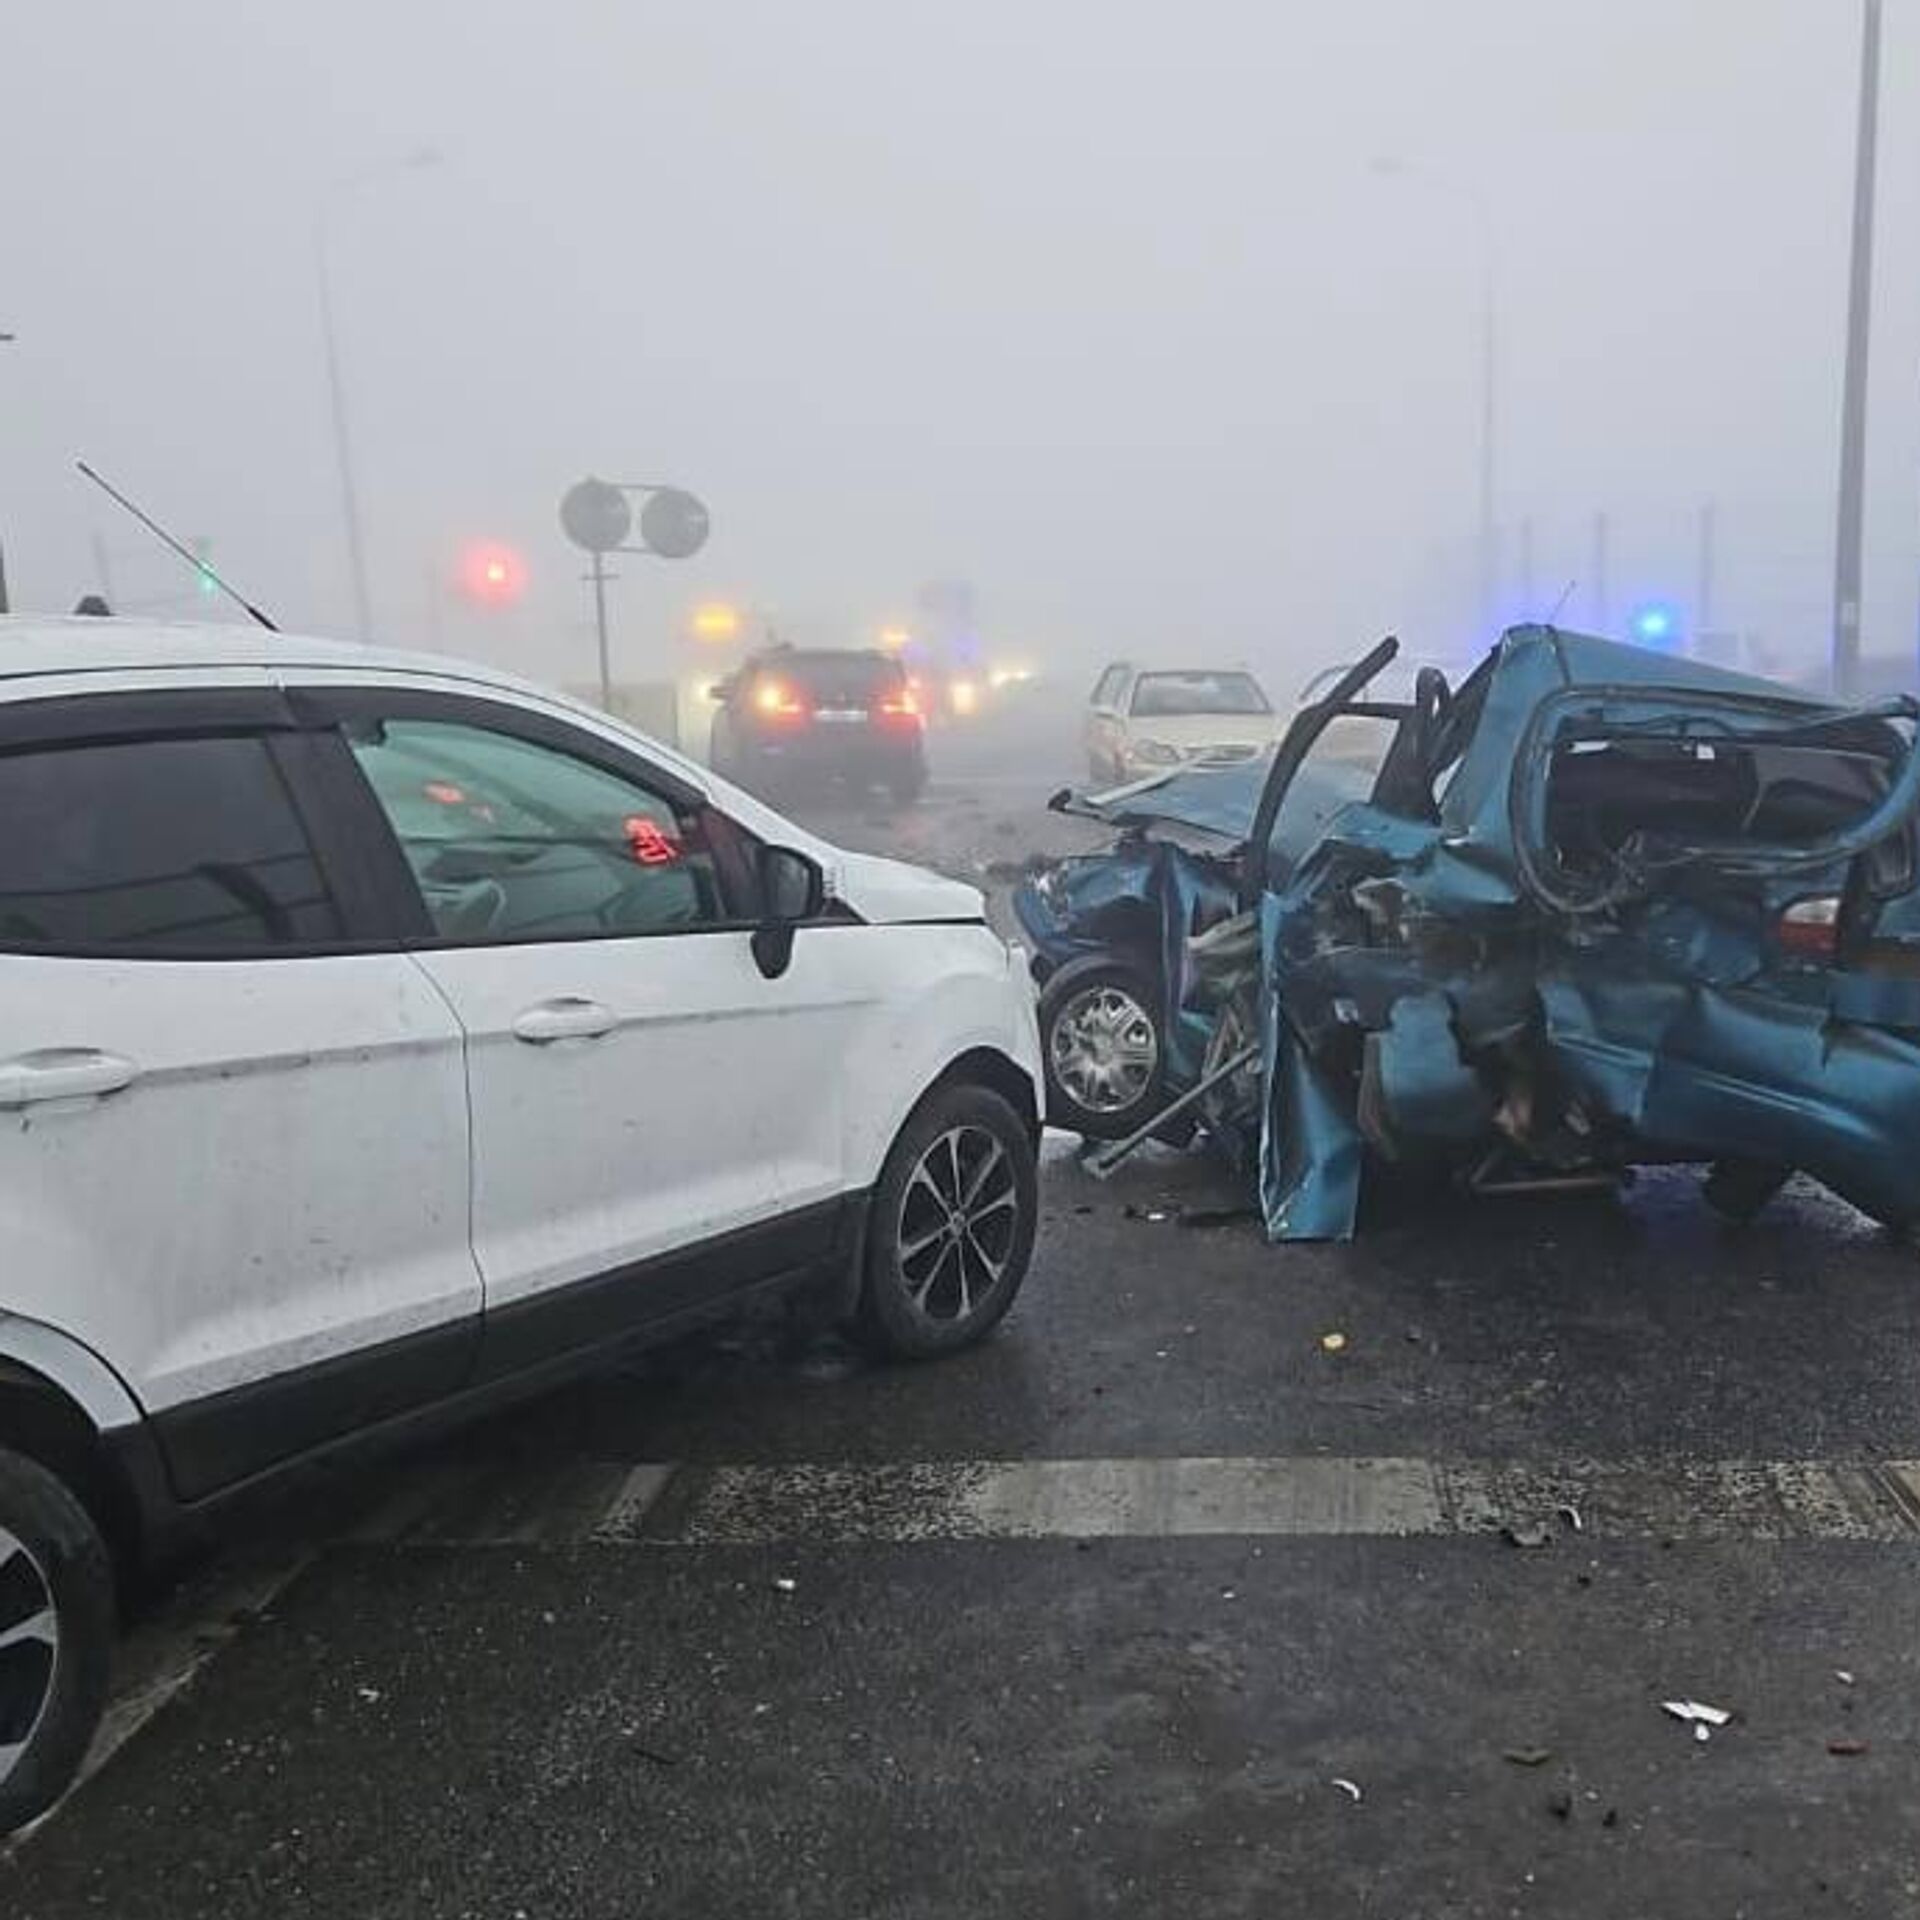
[(952, 1224), (56, 1637)]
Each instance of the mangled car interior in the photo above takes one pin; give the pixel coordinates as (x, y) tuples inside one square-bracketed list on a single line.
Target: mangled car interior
[(1592, 909)]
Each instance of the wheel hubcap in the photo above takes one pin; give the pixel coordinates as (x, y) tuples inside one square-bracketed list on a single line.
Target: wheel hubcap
[(1104, 1049), (958, 1223), (29, 1650)]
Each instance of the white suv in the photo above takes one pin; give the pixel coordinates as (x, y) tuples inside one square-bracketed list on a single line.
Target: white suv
[(382, 1038)]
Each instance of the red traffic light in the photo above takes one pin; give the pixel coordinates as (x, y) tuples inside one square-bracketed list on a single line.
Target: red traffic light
[(492, 574)]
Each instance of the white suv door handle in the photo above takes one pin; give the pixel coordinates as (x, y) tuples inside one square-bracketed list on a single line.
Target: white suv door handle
[(63, 1073), (566, 1018)]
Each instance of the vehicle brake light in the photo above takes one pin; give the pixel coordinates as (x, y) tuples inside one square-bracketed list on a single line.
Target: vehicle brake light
[(649, 842), (1810, 929), (781, 702), (904, 705)]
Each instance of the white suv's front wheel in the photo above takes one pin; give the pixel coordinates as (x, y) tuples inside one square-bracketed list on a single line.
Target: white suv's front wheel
[(952, 1224), (56, 1637)]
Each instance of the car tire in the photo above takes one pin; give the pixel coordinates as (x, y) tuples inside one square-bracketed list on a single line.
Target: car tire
[(1089, 995), (52, 1690), (925, 1289)]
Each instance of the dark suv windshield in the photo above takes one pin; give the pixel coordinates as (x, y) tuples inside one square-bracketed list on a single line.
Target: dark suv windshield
[(1164, 695)]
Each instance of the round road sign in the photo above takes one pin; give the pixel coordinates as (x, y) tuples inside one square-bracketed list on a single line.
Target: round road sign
[(673, 523), (596, 516)]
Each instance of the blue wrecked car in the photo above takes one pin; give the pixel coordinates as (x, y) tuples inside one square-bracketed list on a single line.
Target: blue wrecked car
[(1595, 908)]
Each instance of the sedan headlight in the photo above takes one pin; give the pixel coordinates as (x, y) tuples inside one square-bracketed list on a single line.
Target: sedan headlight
[(1154, 753), (1050, 887)]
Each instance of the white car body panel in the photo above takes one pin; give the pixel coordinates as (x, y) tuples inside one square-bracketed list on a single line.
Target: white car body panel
[(284, 1181)]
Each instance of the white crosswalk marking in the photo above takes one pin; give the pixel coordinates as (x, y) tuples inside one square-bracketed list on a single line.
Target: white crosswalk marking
[(653, 1504)]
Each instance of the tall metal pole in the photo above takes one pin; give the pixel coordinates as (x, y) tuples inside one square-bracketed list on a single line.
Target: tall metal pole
[(1849, 546), (343, 440), (1489, 386), (5, 604), (599, 578)]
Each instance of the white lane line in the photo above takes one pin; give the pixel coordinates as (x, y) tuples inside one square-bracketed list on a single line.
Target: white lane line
[(1162, 1499), (626, 1512), (1225, 1497)]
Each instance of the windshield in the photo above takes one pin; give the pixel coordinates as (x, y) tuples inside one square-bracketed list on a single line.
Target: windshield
[(1167, 696)]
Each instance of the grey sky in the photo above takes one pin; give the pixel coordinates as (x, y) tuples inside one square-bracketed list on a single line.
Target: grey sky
[(1095, 303)]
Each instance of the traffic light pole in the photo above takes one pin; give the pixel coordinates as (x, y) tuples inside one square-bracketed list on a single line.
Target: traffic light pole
[(599, 579)]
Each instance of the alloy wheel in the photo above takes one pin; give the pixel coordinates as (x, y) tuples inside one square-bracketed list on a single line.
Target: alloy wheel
[(29, 1650), (959, 1223)]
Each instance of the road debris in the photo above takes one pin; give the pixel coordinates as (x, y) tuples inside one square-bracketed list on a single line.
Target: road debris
[(786, 1583), (1203, 1218), (1846, 1749), (1348, 1788), (1560, 1804), (1528, 1756), (1530, 1534), (1571, 1515), (1843, 1676), (1697, 1714), (1333, 1342)]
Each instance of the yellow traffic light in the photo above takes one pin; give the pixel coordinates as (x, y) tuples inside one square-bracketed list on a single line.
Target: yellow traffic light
[(716, 621), (895, 638)]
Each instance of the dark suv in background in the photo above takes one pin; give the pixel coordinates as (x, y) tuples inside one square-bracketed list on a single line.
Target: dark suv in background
[(790, 715)]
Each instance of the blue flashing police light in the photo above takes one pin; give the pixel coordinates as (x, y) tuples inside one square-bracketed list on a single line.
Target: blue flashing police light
[(1655, 625)]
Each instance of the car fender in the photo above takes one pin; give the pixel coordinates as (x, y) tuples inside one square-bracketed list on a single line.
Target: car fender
[(76, 1370), (980, 1000)]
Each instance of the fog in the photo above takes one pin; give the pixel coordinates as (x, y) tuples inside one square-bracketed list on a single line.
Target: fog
[(1103, 307)]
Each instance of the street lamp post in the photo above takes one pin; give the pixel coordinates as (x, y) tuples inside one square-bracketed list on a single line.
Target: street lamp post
[(1482, 213), (6, 339), (1849, 559), (336, 382)]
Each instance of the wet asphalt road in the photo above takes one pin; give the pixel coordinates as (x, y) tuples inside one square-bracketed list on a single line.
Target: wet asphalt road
[(623, 1653)]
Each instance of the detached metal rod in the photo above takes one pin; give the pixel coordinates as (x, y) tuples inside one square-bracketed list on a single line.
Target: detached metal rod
[(1103, 1161)]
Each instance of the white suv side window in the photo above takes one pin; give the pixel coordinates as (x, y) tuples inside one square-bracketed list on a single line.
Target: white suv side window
[(168, 847), (511, 841)]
